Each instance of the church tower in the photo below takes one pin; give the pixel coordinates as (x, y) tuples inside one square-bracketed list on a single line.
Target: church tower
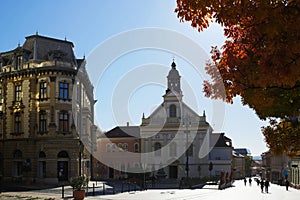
[(173, 96), (174, 80)]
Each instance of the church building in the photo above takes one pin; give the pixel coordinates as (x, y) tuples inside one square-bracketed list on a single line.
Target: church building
[(177, 142)]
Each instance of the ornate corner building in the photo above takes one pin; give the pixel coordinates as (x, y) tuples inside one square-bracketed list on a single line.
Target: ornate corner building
[(47, 126)]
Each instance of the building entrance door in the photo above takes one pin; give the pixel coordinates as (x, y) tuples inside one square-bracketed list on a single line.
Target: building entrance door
[(173, 172), (62, 170), (111, 172)]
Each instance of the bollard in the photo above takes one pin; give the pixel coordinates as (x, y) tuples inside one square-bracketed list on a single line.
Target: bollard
[(62, 191), (128, 186), (87, 191), (103, 189), (93, 189)]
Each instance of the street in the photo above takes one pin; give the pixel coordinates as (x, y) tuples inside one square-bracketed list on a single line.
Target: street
[(209, 192), (239, 191)]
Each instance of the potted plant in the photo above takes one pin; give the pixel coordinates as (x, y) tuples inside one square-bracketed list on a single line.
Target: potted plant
[(78, 184)]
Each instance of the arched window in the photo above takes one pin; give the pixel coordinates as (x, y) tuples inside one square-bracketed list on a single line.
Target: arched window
[(125, 147), (107, 147), (17, 154), (157, 149), (172, 110), (136, 147), (63, 166), (173, 149), (63, 154), (120, 147), (113, 147), (42, 154)]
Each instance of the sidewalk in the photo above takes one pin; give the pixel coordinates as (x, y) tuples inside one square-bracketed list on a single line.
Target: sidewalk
[(95, 188)]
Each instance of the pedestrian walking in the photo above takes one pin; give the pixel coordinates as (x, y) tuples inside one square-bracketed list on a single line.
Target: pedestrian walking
[(245, 181), (250, 181), (287, 184), (262, 185), (258, 182), (267, 184)]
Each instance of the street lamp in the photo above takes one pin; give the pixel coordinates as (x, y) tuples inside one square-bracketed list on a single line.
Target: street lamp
[(186, 124), (144, 166), (80, 157)]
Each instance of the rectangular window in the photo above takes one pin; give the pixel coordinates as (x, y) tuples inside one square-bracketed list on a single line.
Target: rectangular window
[(43, 122), (64, 122), (43, 90), (18, 64), (18, 168), (190, 151), (18, 93), (17, 123), (63, 90)]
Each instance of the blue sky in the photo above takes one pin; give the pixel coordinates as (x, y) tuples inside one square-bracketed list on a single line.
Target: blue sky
[(88, 24)]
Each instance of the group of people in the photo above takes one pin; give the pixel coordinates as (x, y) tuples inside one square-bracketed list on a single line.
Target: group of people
[(264, 184)]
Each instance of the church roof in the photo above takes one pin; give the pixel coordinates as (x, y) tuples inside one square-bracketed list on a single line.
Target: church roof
[(124, 131), (173, 71), (222, 141)]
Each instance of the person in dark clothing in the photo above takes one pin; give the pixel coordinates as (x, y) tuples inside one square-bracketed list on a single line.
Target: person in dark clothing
[(245, 181), (287, 184), (250, 181), (262, 184), (258, 182), (267, 184)]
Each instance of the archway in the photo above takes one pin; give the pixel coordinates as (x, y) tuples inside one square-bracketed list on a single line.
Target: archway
[(63, 166)]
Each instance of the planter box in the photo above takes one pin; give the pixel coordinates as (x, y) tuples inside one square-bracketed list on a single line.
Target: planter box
[(78, 194)]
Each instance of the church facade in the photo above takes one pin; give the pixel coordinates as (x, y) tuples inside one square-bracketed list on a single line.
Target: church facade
[(177, 142), (46, 112)]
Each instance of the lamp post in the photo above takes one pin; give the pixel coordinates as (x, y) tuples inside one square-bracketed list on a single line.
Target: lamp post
[(144, 166), (80, 157), (187, 123)]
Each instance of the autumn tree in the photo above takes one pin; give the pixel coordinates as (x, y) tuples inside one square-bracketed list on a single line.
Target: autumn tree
[(283, 136), (260, 60)]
